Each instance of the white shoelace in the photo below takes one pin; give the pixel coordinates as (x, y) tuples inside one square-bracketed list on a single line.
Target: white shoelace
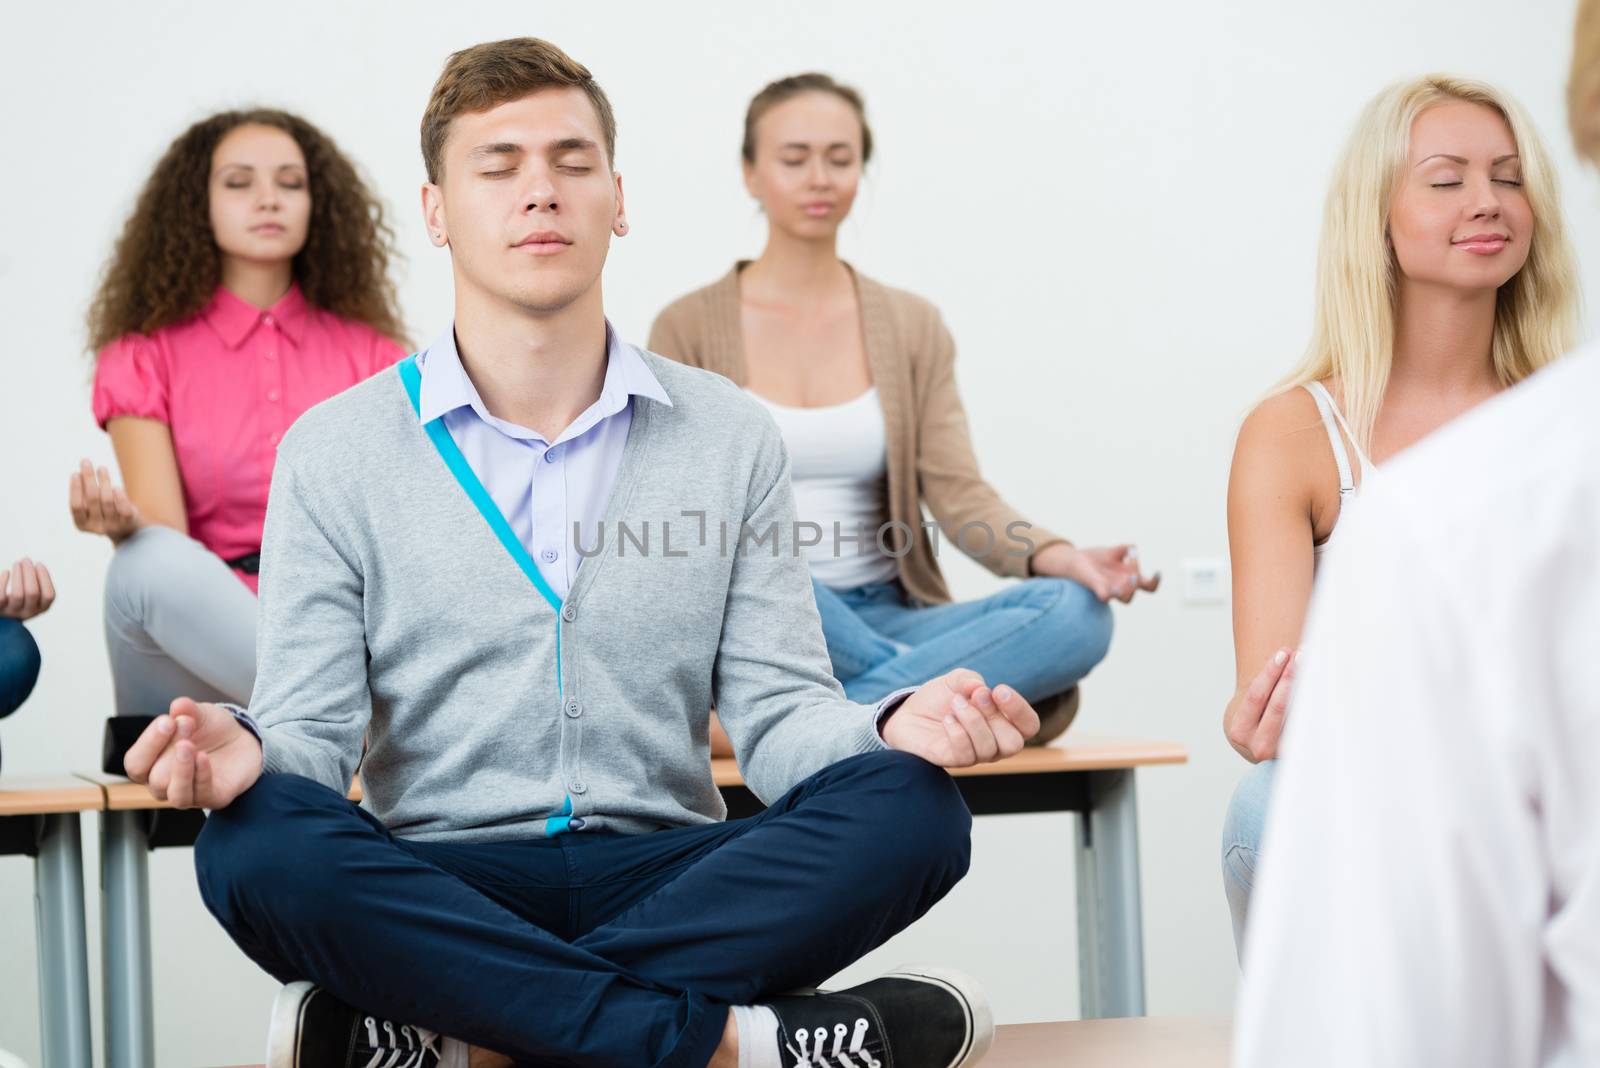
[(418, 1041), (813, 1047)]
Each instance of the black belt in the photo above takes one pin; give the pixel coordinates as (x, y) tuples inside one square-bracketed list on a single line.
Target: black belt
[(250, 564)]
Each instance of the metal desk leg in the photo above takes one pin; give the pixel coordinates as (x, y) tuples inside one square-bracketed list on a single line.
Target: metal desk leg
[(125, 912), (1110, 931), (63, 946)]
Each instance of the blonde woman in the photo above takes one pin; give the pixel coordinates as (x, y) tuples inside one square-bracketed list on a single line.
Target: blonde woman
[(1443, 278)]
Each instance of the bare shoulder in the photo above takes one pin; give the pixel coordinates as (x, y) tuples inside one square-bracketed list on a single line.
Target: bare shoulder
[(1282, 416), (1283, 458)]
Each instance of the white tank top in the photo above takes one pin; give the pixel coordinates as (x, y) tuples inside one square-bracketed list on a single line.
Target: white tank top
[(838, 464), (1332, 421)]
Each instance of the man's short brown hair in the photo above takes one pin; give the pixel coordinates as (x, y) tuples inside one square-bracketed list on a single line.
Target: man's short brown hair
[(497, 72)]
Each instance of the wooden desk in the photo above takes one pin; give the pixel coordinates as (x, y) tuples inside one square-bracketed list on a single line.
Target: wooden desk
[(1147, 1042), (1086, 774), (39, 817), (1138, 1043)]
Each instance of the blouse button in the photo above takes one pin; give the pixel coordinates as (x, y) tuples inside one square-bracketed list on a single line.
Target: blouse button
[(275, 438), (272, 394), (269, 354)]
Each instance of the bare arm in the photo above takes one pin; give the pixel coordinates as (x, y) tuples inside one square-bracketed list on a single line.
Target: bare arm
[(1271, 533), (149, 467)]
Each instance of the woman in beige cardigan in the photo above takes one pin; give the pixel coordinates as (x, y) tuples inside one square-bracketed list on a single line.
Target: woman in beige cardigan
[(860, 379)]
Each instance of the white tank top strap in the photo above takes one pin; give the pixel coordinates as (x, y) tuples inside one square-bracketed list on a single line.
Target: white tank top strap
[(1332, 421)]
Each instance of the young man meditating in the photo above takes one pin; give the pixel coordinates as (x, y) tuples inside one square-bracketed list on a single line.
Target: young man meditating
[(540, 872)]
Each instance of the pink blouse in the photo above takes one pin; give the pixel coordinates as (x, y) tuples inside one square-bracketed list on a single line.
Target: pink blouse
[(228, 383)]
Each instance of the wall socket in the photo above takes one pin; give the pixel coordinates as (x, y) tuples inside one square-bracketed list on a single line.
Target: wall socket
[(1205, 581)]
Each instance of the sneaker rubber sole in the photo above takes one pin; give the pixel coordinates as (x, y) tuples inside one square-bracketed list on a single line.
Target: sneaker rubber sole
[(288, 1015)]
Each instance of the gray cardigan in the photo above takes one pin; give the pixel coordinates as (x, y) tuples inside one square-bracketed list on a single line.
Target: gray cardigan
[(390, 609)]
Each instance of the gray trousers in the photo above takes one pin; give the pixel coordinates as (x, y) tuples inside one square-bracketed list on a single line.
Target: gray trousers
[(179, 623)]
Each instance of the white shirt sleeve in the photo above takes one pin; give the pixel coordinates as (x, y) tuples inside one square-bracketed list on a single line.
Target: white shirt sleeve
[(1399, 910)]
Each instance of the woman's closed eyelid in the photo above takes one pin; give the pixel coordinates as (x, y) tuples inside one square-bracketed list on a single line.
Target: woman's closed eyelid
[(1457, 182)]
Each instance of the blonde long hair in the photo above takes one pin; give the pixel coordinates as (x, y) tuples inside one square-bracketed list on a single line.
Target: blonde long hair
[(1535, 316)]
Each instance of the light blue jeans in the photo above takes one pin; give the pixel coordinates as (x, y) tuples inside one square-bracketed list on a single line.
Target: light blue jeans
[(1241, 843), (1038, 636)]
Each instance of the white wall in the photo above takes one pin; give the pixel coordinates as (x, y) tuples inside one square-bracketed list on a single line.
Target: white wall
[(1115, 205)]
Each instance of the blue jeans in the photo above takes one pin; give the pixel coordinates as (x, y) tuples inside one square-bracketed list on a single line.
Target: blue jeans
[(1241, 843), (586, 948), (19, 665), (1039, 636)]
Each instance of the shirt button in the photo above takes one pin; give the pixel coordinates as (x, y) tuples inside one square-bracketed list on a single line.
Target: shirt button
[(266, 319), (549, 555), (575, 823), (569, 613), (579, 787), (275, 438), (272, 394), (574, 709), (269, 354), (551, 455)]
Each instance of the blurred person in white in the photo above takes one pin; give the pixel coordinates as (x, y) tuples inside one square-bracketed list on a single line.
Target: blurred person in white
[(1430, 894), (1443, 278)]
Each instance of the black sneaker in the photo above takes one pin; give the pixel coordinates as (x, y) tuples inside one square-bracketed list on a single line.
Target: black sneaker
[(313, 1029), (914, 1017)]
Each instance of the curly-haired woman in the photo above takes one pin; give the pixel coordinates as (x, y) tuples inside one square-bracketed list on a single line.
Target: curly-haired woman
[(250, 283)]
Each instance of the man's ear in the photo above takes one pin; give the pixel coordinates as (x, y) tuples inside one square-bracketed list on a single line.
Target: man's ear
[(619, 221), (433, 214)]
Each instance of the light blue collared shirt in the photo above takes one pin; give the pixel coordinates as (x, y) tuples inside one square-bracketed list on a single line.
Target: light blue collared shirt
[(542, 487)]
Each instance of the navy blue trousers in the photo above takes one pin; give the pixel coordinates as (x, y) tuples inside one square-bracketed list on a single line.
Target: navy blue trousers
[(586, 948)]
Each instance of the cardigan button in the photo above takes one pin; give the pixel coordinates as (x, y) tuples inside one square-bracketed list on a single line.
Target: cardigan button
[(569, 613), (574, 709), (579, 787)]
